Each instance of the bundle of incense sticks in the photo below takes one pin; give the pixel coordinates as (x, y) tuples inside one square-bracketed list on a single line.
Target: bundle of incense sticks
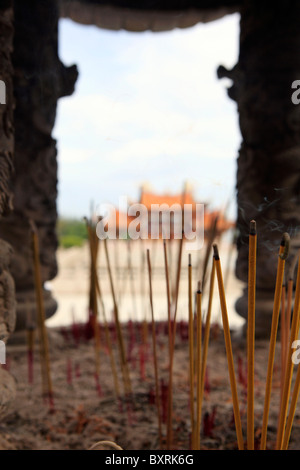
[(43, 337), (283, 253), (283, 434), (96, 295), (198, 346), (288, 336), (172, 334), (283, 302), (198, 364)]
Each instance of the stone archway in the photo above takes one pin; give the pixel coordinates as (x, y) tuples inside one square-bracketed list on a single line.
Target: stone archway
[(268, 161)]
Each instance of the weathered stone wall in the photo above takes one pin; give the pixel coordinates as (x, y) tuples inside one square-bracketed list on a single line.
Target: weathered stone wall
[(7, 289), (143, 15), (6, 110), (40, 79), (268, 173)]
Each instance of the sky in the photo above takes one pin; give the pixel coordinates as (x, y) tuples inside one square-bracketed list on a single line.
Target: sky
[(148, 109)]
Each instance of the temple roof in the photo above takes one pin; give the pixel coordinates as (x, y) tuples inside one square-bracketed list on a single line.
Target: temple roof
[(146, 15), (147, 199)]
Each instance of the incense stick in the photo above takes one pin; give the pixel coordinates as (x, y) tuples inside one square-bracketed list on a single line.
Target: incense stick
[(283, 344), (178, 273), (94, 244), (123, 360), (198, 365), (292, 411), (289, 365), (251, 334), (170, 384), (212, 236), (131, 279), (44, 346), (274, 327), (283, 350), (191, 349), (168, 296), (157, 392), (175, 305), (236, 410), (296, 389), (288, 311), (143, 296), (207, 323)]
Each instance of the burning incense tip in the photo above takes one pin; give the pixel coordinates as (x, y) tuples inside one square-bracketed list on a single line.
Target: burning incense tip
[(190, 259), (216, 252), (285, 241), (252, 227), (199, 286)]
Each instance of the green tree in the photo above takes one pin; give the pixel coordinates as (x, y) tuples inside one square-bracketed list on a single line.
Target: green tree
[(71, 232)]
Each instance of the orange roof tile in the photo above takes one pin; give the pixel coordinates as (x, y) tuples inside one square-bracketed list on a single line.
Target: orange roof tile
[(147, 199)]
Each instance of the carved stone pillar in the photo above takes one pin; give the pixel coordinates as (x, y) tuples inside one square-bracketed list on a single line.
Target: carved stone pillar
[(268, 175), (40, 79), (7, 290)]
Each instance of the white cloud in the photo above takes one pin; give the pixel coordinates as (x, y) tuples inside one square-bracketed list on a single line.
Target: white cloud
[(165, 114), (75, 155)]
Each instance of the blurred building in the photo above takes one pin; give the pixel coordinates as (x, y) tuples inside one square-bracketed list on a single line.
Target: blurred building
[(163, 215)]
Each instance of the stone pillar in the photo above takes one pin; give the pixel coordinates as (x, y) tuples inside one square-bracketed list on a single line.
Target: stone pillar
[(7, 290), (40, 79), (268, 174)]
